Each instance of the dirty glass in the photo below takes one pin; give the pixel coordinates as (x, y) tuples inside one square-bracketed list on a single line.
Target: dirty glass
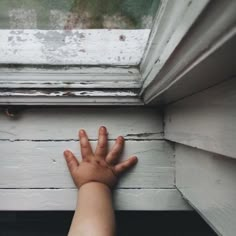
[(75, 32), (77, 14)]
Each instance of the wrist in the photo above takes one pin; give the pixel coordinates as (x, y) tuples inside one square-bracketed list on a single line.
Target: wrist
[(94, 185)]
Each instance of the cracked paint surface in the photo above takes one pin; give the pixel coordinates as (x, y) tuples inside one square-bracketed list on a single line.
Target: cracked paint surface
[(75, 32), (78, 47)]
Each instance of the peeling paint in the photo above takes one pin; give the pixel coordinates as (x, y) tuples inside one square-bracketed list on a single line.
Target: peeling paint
[(63, 93), (77, 47)]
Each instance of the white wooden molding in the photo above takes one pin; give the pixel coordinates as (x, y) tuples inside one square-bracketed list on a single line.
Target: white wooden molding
[(73, 47), (64, 123), (207, 181), (65, 199), (29, 164), (99, 98), (206, 120), (70, 86), (203, 76), (212, 30), (167, 33), (70, 77)]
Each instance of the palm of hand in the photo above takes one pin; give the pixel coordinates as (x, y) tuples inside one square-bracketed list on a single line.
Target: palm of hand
[(101, 166)]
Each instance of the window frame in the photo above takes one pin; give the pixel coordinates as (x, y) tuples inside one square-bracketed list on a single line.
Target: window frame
[(124, 85)]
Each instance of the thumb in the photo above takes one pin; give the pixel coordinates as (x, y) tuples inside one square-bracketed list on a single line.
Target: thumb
[(71, 161)]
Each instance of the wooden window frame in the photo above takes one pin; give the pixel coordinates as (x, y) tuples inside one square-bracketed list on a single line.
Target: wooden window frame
[(127, 85)]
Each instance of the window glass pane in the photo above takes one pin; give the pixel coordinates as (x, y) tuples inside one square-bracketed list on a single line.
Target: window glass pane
[(77, 14), (37, 31)]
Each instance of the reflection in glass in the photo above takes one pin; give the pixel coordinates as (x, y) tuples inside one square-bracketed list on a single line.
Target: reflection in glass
[(77, 14)]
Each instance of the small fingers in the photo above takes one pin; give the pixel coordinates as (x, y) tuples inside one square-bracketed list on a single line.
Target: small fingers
[(101, 149), (71, 161), (86, 150), (116, 150), (125, 165)]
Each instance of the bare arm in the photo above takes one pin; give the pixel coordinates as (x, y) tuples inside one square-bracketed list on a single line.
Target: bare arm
[(95, 176)]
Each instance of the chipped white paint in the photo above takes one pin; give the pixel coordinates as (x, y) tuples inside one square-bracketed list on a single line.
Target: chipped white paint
[(78, 47), (65, 199), (69, 97), (84, 93), (93, 86), (206, 120), (63, 124), (207, 181), (41, 164), (72, 77)]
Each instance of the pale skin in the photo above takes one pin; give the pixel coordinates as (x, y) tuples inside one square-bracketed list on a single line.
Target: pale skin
[(95, 176)]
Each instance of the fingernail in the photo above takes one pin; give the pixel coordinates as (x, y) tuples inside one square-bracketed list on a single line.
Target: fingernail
[(66, 152), (81, 132), (103, 128), (121, 138)]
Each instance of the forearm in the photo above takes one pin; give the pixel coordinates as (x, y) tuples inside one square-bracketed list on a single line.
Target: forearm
[(94, 215)]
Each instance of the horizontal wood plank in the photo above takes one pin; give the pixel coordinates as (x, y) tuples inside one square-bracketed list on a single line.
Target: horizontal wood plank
[(41, 164), (69, 77), (113, 99), (63, 124), (206, 120), (65, 199), (207, 181)]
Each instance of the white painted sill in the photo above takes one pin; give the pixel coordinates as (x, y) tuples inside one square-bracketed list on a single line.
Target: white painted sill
[(72, 86), (124, 82)]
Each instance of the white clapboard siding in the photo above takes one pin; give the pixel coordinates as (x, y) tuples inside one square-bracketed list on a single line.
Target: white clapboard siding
[(63, 124), (207, 181), (65, 199), (206, 120), (74, 47), (28, 164)]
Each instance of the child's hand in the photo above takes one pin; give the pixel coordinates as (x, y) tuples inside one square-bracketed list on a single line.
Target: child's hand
[(100, 166)]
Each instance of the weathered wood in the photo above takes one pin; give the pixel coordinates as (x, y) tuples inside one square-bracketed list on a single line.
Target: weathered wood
[(210, 32), (55, 85), (63, 124), (41, 164), (206, 120), (76, 47), (207, 181), (201, 77), (97, 99), (167, 33), (65, 199), (70, 77)]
